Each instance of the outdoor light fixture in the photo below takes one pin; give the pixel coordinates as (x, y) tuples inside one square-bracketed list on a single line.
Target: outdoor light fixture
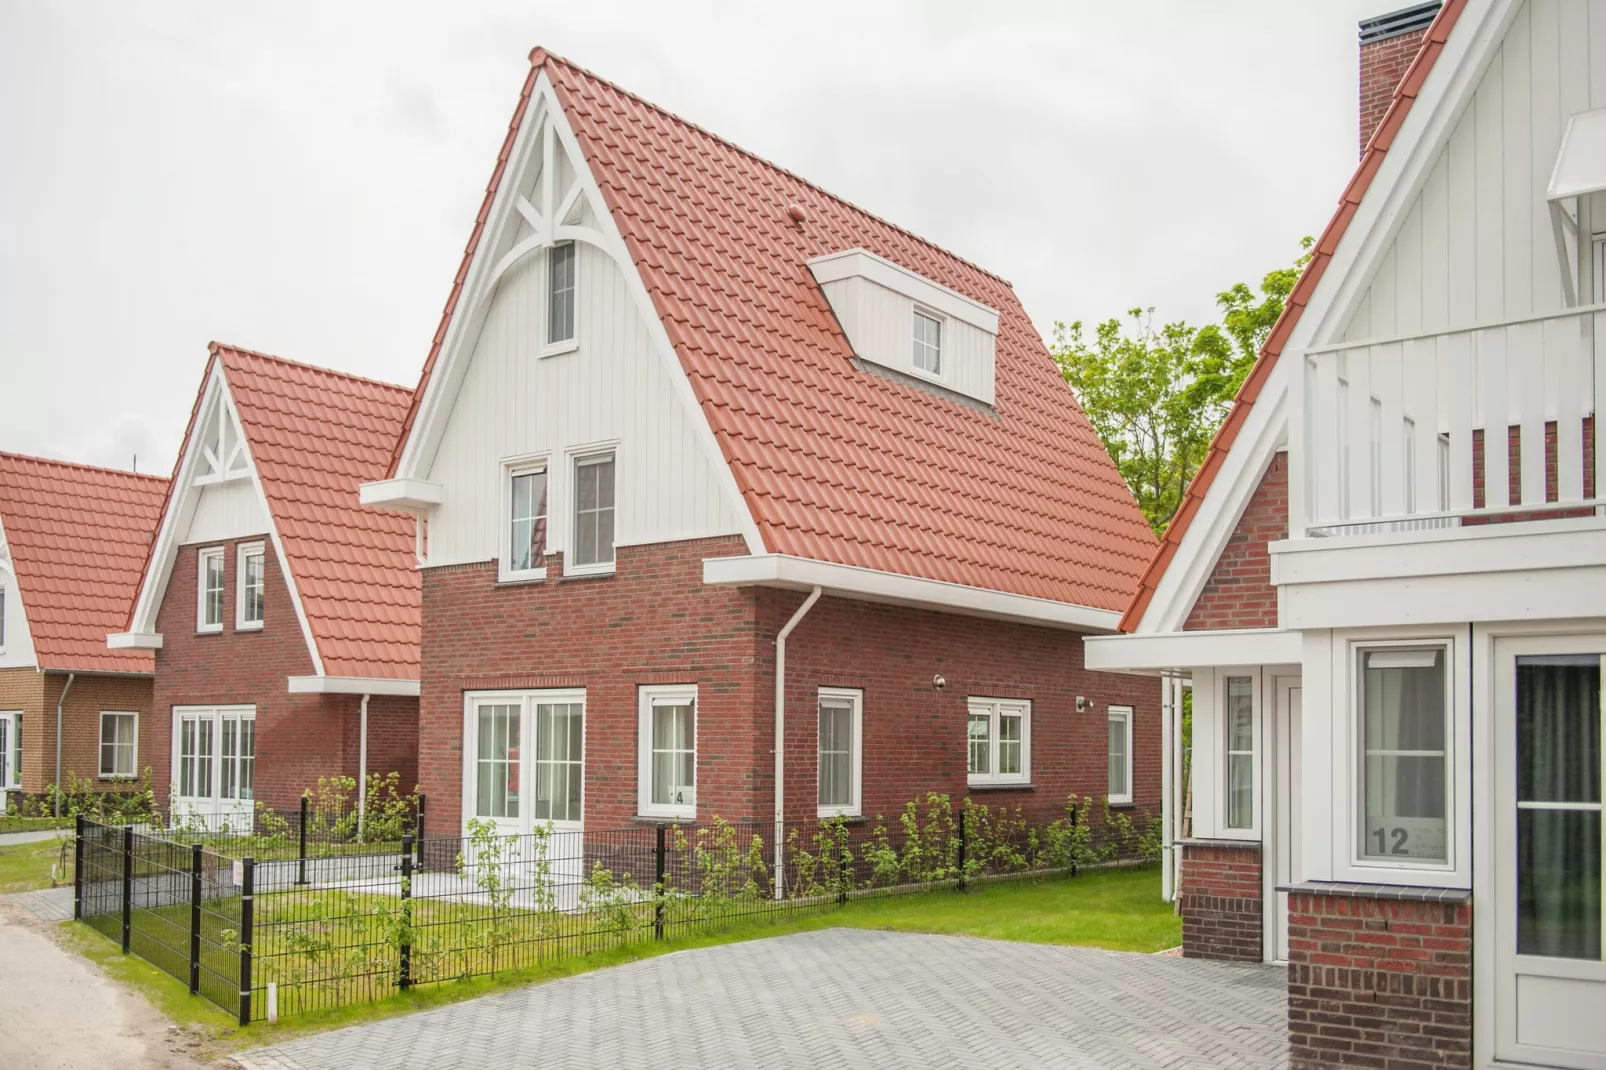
[(938, 682), (1083, 704)]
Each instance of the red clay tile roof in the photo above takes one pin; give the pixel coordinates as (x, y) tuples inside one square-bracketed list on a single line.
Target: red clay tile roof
[(78, 536), (837, 464), (1371, 159)]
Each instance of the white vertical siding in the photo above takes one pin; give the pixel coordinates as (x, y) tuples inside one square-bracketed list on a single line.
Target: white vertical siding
[(226, 511), (18, 647), (879, 323), (1476, 244), (615, 386)]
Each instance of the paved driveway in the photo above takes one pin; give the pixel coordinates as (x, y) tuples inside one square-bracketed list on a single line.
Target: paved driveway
[(843, 998)]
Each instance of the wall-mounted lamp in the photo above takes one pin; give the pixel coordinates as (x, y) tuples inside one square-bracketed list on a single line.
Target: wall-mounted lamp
[(1083, 704), (938, 683)]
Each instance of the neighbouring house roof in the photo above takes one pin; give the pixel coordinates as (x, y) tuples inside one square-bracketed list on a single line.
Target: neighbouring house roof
[(1382, 139), (836, 463), (78, 536), (313, 436)]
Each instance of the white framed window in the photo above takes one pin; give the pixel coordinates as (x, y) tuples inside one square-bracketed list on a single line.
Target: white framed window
[(667, 769), (560, 303), (841, 751), (119, 745), (524, 539), (1120, 755), (1403, 707), (525, 758), (250, 586), (927, 342), (1241, 723), (209, 589), (591, 548), (214, 757), (11, 749), (999, 742)]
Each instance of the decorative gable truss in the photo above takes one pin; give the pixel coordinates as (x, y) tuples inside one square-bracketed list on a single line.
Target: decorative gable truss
[(541, 194), (216, 494)]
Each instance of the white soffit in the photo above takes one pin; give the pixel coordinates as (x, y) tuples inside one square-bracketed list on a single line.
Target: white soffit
[(134, 641), (1167, 651), (412, 494), (852, 263), (1581, 163), (352, 685)]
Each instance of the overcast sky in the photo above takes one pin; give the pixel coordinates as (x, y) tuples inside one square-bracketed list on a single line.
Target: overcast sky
[(300, 178)]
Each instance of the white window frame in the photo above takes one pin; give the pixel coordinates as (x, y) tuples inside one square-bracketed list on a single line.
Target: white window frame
[(1357, 761), (100, 751), (553, 347), (922, 312), (1224, 830), (243, 552), (855, 698), (577, 457), (668, 694), (1124, 715), (202, 556), (527, 701), (215, 800), (526, 464), (994, 708), (11, 757)]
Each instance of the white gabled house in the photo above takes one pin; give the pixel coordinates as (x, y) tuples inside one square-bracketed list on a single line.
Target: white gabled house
[(1387, 585)]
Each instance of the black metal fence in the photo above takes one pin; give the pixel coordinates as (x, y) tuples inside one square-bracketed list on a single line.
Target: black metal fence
[(282, 936)]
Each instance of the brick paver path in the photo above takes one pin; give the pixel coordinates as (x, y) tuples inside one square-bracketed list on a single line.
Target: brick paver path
[(843, 998)]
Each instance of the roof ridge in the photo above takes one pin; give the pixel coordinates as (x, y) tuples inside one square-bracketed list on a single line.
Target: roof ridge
[(85, 467), (218, 347), (539, 56)]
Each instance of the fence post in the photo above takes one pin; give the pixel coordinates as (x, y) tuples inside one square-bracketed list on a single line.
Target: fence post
[(659, 889), (961, 849), (418, 833), (406, 979), (196, 865), (1074, 853), (128, 885), (301, 860), (248, 871), (78, 871)]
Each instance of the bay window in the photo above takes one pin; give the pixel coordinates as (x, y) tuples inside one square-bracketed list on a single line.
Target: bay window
[(667, 736), (840, 751), (1405, 725), (999, 742)]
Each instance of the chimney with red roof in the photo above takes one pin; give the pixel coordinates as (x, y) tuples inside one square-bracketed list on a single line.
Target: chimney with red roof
[(1388, 45)]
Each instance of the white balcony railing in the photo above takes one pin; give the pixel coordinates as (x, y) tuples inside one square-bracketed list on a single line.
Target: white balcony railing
[(1431, 430)]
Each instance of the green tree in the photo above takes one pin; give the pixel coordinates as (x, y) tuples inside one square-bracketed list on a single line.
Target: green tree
[(1155, 396)]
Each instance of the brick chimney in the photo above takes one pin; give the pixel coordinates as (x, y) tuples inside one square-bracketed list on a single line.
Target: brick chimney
[(1388, 45)]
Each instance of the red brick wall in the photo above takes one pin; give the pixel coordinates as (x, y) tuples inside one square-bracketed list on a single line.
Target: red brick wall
[(1374, 982), (1383, 65), (1239, 592), (1221, 896), (299, 738), (36, 694), (655, 621)]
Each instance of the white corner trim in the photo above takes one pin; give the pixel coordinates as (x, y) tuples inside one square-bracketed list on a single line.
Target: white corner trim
[(850, 581), (352, 685), (1173, 651), (133, 641), (862, 263), (400, 493)]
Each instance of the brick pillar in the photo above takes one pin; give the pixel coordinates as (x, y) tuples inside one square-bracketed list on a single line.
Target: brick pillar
[(1221, 900), (1379, 975)]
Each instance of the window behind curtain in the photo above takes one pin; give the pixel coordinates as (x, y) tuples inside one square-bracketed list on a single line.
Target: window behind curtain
[(559, 774), (1403, 776), (118, 732), (238, 764), (980, 736), (836, 752), (593, 515), (560, 293), (674, 753), (1240, 718), (497, 764), (195, 757), (527, 545), (1120, 742)]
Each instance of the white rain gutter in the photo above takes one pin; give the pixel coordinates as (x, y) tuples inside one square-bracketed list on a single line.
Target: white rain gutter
[(362, 770), (59, 703), (780, 737)]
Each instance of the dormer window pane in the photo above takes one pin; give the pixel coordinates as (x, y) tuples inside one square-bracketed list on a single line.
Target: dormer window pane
[(928, 343), (560, 294)]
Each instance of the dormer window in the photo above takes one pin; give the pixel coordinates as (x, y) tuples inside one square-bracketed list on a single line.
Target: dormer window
[(560, 297), (928, 343)]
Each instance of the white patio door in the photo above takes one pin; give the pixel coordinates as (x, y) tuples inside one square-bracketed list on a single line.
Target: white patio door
[(214, 765), (1550, 981)]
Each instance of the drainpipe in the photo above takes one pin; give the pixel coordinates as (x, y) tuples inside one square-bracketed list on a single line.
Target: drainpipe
[(59, 703), (1168, 806), (362, 770), (780, 737)]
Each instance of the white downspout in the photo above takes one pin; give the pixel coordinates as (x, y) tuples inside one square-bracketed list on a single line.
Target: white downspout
[(1168, 807), (780, 739), (59, 703), (362, 770)]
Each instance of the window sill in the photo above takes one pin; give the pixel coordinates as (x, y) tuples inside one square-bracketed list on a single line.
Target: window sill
[(587, 572), (1122, 804), (660, 819), (521, 579), (557, 349), (121, 778), (250, 627), (846, 819), (1026, 786), (210, 631)]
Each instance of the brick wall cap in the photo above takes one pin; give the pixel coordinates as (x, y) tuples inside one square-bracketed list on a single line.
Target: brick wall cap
[(1398, 892)]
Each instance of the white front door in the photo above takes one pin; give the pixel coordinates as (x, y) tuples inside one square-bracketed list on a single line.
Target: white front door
[(10, 754), (1280, 861), (1550, 855), (214, 766)]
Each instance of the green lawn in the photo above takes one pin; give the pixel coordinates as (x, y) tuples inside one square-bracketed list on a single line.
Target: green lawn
[(26, 866)]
